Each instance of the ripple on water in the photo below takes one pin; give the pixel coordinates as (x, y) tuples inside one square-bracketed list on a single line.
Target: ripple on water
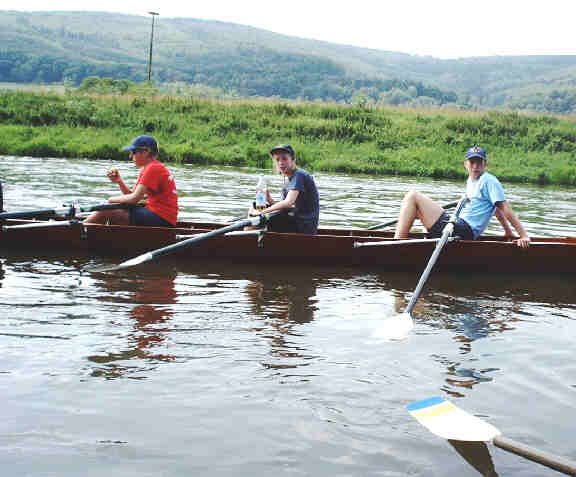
[(222, 369)]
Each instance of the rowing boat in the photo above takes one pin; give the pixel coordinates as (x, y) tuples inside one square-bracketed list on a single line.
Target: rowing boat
[(338, 247)]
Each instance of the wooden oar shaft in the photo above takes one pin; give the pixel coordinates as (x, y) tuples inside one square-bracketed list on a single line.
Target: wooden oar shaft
[(560, 464), (393, 222)]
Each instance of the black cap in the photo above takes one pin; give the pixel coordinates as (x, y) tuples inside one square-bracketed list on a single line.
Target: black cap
[(284, 148)]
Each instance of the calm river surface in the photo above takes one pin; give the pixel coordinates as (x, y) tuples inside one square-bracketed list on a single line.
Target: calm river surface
[(190, 369)]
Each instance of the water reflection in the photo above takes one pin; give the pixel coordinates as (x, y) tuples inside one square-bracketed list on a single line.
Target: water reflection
[(257, 328), (285, 304), (150, 318), (474, 308), (283, 301), (477, 455)]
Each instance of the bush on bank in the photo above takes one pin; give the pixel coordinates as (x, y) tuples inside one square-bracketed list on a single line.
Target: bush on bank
[(522, 148)]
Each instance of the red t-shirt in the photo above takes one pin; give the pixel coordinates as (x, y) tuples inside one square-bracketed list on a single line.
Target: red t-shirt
[(162, 195)]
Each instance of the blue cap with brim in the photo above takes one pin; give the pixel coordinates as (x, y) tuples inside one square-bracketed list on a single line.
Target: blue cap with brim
[(476, 151), (143, 142)]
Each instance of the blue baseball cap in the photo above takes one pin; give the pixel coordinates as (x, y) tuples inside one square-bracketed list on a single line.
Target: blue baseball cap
[(476, 151), (143, 142)]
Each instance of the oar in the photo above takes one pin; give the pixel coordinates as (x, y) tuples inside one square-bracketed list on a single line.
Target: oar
[(31, 214), (257, 221), (42, 225), (399, 326), (393, 222), (67, 211), (95, 208), (384, 243), (446, 420)]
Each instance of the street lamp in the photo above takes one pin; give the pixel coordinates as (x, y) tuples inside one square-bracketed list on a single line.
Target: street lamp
[(154, 14)]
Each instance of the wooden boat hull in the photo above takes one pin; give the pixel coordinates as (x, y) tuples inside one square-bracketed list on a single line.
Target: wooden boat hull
[(330, 247)]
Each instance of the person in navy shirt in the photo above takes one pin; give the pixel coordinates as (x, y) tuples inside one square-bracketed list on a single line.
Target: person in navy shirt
[(300, 200), (485, 198)]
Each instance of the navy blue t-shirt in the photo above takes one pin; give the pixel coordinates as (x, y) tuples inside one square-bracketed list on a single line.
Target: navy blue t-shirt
[(307, 206)]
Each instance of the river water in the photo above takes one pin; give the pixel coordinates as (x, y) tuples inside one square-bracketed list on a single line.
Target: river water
[(180, 369)]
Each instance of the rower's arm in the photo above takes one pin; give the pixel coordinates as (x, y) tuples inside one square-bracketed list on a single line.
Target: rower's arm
[(124, 188), (503, 222), (131, 198), (508, 214), (286, 203), (115, 177)]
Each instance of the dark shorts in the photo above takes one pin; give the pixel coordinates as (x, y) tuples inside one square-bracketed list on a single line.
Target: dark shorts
[(145, 217), (461, 228), (286, 223)]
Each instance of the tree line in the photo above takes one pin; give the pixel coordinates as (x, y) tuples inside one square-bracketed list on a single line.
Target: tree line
[(244, 72), (262, 72)]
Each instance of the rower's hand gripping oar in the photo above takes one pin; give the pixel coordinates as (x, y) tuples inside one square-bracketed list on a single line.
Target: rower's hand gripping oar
[(395, 221), (257, 221), (399, 326), (444, 419)]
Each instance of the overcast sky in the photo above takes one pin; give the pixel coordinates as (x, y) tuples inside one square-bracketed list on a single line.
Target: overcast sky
[(440, 28)]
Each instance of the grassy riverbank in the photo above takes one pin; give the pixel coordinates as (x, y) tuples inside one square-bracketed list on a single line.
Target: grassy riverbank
[(522, 148)]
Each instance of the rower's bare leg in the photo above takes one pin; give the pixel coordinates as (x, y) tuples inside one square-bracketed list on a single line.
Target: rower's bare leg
[(113, 217), (416, 205)]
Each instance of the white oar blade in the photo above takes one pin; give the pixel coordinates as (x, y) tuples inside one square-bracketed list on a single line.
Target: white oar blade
[(444, 419), (146, 257), (395, 328)]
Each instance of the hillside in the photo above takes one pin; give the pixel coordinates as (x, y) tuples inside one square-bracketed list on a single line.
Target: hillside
[(69, 46)]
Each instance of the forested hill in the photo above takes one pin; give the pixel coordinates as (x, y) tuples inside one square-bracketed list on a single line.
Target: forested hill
[(70, 46)]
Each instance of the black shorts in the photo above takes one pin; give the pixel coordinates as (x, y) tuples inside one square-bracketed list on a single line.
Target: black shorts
[(461, 228), (284, 223), (287, 223), (145, 217)]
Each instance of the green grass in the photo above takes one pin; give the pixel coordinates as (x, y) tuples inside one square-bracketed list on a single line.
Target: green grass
[(522, 148)]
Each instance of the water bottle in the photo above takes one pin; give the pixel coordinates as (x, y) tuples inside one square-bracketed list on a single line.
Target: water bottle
[(261, 194)]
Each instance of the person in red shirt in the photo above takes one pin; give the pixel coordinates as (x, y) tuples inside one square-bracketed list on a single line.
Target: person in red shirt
[(155, 183)]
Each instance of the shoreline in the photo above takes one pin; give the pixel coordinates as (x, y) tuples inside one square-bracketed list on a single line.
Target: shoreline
[(536, 149)]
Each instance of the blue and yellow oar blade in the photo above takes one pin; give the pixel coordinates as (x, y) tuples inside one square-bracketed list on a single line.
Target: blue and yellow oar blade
[(444, 419)]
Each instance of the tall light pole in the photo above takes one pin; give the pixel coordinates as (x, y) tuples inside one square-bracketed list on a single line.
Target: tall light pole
[(154, 14)]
